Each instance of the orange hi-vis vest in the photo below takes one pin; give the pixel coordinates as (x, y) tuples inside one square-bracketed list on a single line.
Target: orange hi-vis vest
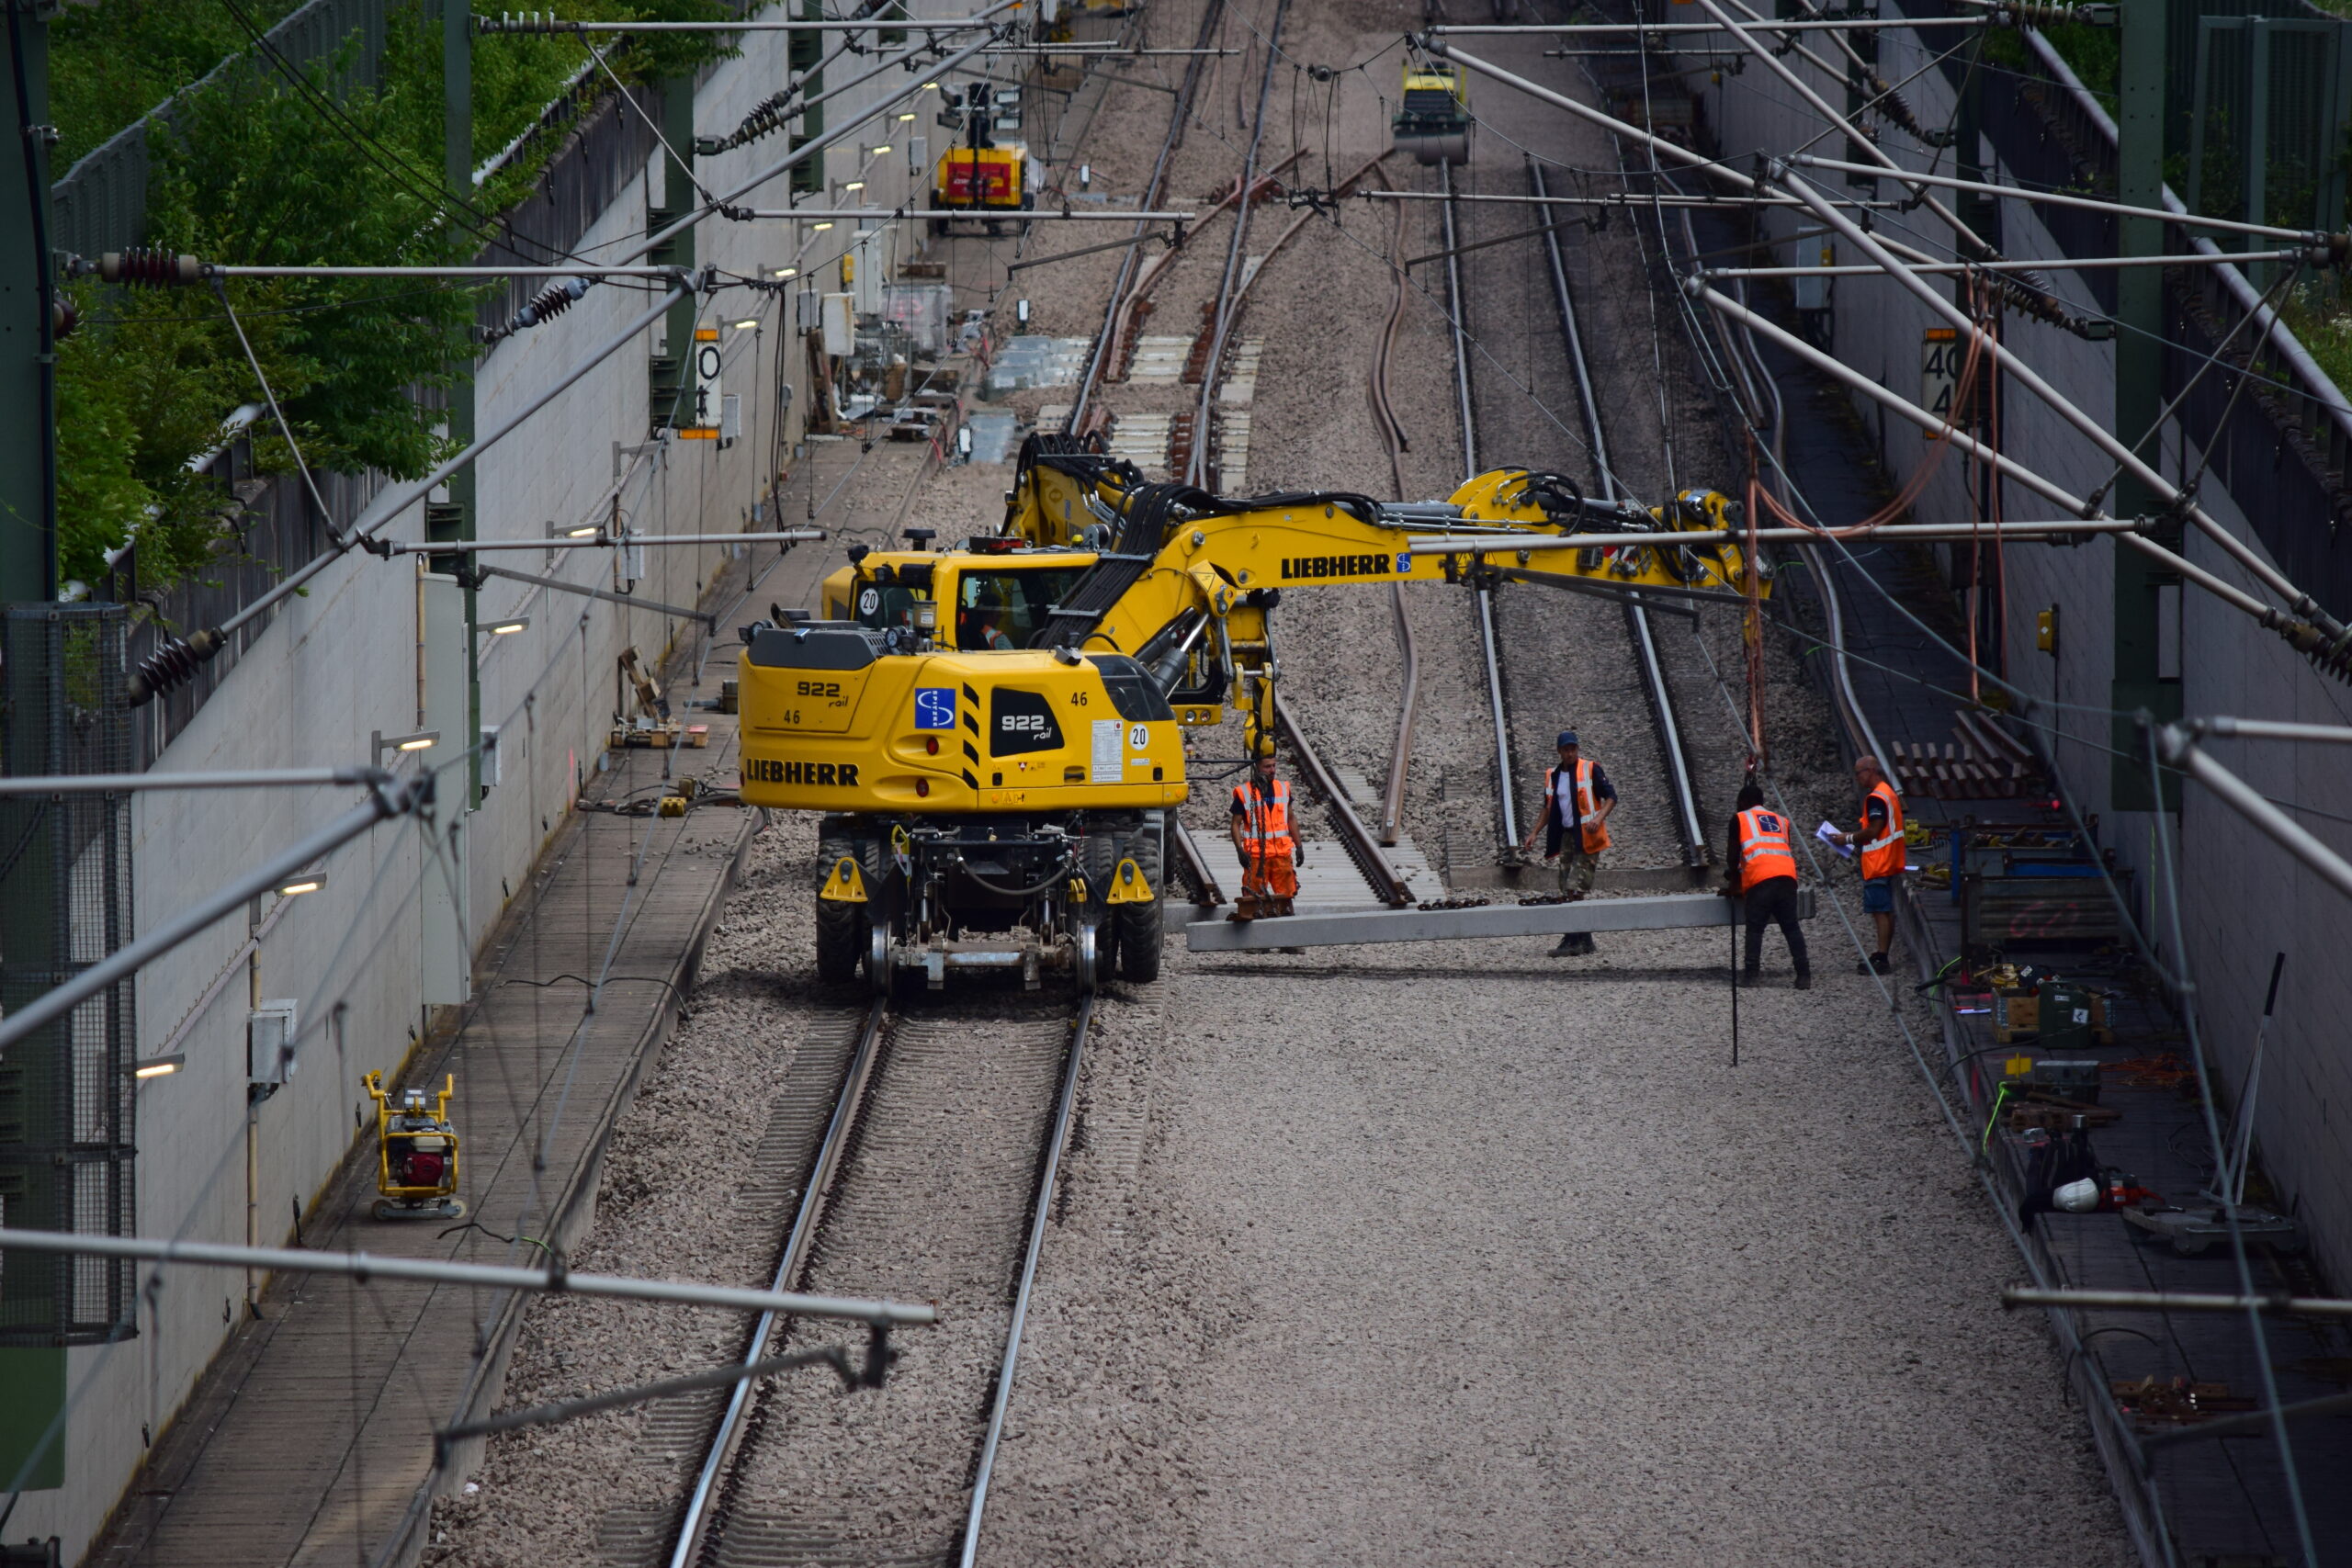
[(1266, 850), (1885, 855), (1594, 835), (1764, 847)]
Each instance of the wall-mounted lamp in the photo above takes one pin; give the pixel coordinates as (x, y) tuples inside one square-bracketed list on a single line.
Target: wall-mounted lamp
[(573, 530), (379, 743), (508, 627), (309, 882), (881, 148), (906, 120), (158, 1067), (750, 326), (787, 272), (820, 228), (852, 184), (931, 86)]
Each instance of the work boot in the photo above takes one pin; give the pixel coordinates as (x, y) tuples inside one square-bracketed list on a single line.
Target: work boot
[(1584, 946), (1877, 965), (1805, 981), (1565, 948)]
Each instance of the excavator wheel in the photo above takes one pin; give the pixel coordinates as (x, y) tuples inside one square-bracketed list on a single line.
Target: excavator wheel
[(842, 928), (1140, 933)]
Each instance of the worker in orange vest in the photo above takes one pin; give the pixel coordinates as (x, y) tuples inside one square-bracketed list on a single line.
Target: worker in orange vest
[(1883, 851), (1574, 818), (1763, 871), (1267, 840)]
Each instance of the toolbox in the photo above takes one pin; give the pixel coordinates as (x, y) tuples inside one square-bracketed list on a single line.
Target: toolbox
[(2018, 1016)]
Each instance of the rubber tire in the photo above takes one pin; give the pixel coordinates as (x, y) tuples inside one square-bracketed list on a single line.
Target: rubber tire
[(1140, 929), (840, 926), (1098, 861)]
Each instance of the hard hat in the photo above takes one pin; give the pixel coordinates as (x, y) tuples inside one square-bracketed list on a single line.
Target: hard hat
[(2077, 1196)]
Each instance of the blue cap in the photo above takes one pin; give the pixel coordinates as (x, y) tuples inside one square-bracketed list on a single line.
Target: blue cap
[(1568, 738)]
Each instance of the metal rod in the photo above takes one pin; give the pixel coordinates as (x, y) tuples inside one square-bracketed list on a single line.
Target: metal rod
[(1041, 1217), (2100, 436), (554, 1279), (1607, 122), (705, 617), (383, 511), (1894, 403), (1027, 262), (1643, 202), (2174, 1300), (249, 778), (2267, 729), (2089, 263), (2180, 749), (797, 1241), (1654, 28), (2059, 199), (1392, 795), (534, 23), (1053, 215), (1500, 544), (582, 269), (383, 801), (600, 540), (832, 1355)]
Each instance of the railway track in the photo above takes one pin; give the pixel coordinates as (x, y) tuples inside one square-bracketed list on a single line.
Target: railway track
[(930, 1159)]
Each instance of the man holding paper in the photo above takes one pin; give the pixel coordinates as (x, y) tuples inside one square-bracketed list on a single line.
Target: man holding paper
[(1883, 853)]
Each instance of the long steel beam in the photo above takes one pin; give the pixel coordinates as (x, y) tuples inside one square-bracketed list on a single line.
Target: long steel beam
[(246, 778), (1665, 912)]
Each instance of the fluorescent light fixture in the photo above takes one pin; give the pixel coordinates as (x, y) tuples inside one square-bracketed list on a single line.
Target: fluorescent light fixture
[(573, 530), (420, 740), (159, 1066), (852, 184), (820, 228), (906, 120), (310, 882), (787, 272), (751, 325), (931, 86), (509, 627), (883, 148)]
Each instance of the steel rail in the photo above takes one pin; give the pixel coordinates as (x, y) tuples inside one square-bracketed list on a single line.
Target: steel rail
[(1040, 1219), (1637, 619), (1196, 466), (1178, 114), (1361, 843), (1507, 808), (695, 1522)]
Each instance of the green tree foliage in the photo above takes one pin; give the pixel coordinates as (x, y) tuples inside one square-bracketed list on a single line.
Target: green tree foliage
[(257, 170)]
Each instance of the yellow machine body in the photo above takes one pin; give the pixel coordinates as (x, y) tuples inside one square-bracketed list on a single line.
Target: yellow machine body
[(851, 729), (410, 1140), (1434, 122)]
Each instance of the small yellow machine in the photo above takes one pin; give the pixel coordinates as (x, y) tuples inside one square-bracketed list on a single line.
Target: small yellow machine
[(980, 179), (1434, 123), (416, 1153)]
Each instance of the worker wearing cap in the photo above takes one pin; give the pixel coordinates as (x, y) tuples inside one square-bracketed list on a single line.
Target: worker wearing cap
[(1882, 853), (1574, 817), (1763, 871), (1266, 840)]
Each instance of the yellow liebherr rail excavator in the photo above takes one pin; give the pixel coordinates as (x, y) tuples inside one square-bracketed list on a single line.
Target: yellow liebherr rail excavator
[(993, 732)]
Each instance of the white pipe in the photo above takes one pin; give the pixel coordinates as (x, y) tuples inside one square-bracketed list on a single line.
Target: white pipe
[(1821, 105), (2086, 263), (1503, 543), (2268, 615), (2128, 460), (2058, 198), (1614, 126), (600, 541), (2178, 747), (250, 778), (2269, 729), (365, 1266)]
